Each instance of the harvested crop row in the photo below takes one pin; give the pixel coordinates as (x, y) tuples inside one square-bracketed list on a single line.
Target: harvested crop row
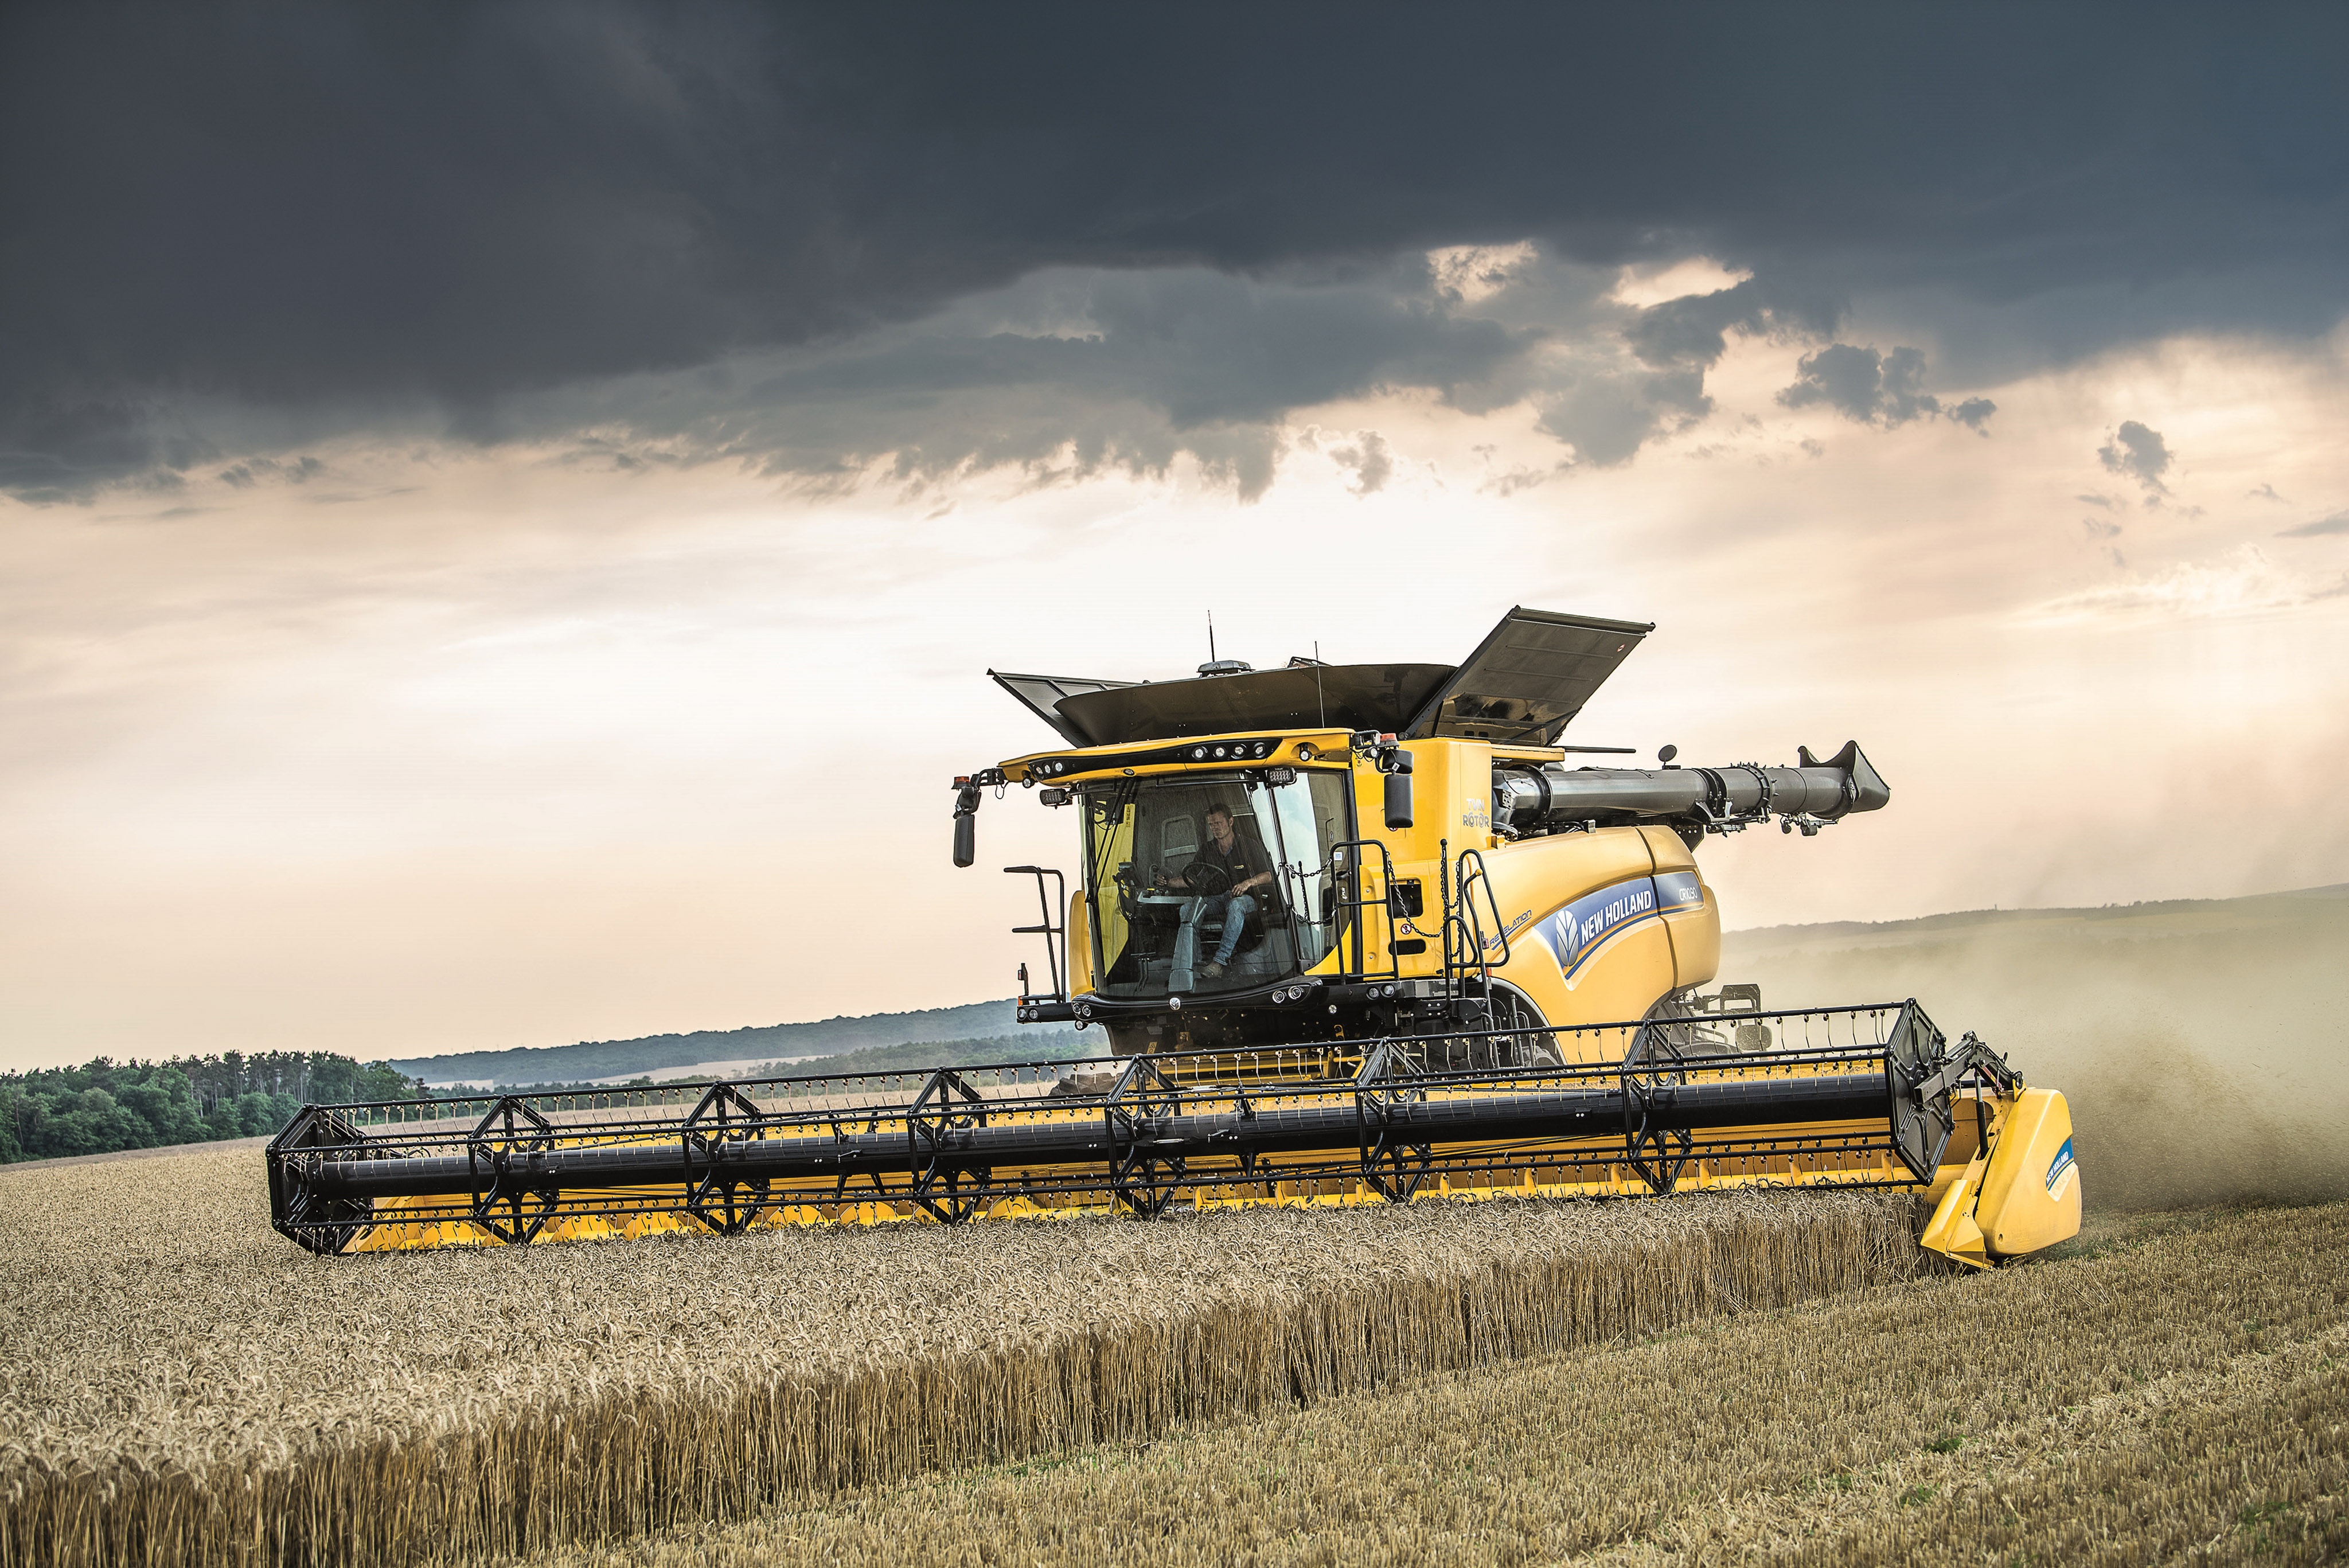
[(2185, 1392), (209, 1392)]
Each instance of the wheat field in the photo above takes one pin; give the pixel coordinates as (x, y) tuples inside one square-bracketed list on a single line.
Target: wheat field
[(2175, 1390), (200, 1390)]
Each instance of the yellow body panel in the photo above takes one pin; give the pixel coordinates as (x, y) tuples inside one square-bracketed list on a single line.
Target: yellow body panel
[(1952, 1231), (2031, 1191), (1529, 882), (1625, 974), (1113, 917), (1695, 932), (2019, 1195), (1080, 945)]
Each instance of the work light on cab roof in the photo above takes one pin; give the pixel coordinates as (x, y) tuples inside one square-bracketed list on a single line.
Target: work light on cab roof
[(1348, 933)]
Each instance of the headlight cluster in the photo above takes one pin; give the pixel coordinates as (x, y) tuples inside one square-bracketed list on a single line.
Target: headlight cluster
[(1292, 993), (1381, 991), (1236, 750), (1051, 770), (1084, 1009)]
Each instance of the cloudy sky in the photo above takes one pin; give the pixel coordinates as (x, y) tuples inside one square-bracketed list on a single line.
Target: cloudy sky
[(504, 512)]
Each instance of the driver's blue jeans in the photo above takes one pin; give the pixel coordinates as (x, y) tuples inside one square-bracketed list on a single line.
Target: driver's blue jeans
[(1236, 908)]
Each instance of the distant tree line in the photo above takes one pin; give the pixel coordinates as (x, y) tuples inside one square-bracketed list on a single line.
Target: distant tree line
[(650, 1054), (103, 1104), (915, 1056)]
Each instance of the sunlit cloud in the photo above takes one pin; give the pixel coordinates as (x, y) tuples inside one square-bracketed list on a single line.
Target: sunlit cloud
[(1640, 288), (2244, 583), (1471, 273)]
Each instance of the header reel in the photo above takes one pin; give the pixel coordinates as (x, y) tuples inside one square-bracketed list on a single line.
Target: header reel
[(1847, 1096)]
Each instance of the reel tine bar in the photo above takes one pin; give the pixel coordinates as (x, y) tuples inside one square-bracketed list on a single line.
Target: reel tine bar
[(1854, 1096)]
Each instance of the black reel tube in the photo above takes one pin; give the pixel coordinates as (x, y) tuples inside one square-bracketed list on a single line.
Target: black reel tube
[(952, 1142)]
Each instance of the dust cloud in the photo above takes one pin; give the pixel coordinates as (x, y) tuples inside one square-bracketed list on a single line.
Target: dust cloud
[(2204, 1046)]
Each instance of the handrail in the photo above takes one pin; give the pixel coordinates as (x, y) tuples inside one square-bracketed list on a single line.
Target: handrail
[(1483, 879), (1056, 957), (1361, 900)]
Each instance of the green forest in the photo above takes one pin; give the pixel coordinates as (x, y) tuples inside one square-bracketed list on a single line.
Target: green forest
[(103, 1106)]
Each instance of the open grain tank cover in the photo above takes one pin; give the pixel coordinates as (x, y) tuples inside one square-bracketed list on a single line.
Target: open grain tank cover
[(1309, 697), (1041, 694), (1527, 682)]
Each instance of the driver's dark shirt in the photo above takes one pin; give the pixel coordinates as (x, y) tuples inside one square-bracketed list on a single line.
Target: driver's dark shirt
[(1237, 860)]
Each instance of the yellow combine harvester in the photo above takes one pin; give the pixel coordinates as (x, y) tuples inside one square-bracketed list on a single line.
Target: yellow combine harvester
[(1353, 933)]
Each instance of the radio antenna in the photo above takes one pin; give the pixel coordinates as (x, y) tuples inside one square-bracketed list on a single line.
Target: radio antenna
[(1320, 701), (1211, 636)]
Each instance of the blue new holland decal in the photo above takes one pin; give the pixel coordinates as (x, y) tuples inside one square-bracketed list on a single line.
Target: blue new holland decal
[(1575, 934), (2060, 1167)]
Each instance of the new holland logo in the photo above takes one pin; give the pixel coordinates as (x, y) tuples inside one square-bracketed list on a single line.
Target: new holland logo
[(1575, 934), (2060, 1167), (1622, 909)]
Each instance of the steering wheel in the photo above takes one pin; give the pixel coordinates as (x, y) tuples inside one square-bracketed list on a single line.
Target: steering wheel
[(1206, 878)]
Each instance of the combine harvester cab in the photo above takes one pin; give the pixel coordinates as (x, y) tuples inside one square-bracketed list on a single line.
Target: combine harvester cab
[(1352, 933)]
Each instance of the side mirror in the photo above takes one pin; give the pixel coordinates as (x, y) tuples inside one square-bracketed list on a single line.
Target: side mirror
[(965, 838), (1667, 754), (1398, 800)]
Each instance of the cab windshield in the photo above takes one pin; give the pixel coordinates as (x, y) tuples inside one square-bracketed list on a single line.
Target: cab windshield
[(1194, 872)]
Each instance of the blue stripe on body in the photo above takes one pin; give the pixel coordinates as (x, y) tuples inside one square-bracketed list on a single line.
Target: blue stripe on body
[(2058, 1166), (1575, 934)]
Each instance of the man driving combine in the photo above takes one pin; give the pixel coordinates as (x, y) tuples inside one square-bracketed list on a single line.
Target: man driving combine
[(1232, 866)]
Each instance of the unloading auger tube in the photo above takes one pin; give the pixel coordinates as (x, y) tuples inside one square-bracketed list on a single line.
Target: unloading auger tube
[(1547, 798), (1847, 1097)]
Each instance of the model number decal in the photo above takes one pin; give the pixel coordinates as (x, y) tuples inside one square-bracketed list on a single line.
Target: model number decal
[(1679, 890)]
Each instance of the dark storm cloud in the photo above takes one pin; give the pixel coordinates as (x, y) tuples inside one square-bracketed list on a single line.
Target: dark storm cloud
[(1694, 330), (1060, 372), (1863, 385), (1885, 389), (350, 215), (2139, 453)]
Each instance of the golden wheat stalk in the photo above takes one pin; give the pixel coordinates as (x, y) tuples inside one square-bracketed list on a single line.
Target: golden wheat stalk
[(2177, 1390), (206, 1393)]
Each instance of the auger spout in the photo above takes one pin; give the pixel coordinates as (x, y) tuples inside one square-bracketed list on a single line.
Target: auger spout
[(1696, 800)]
